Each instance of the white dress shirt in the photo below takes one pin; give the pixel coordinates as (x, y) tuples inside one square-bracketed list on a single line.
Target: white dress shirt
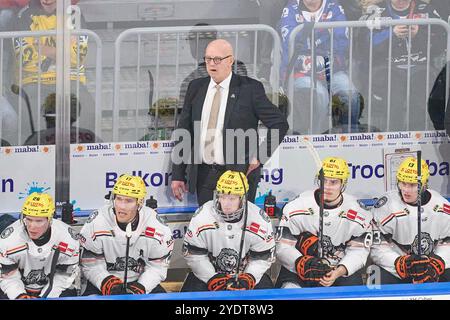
[(207, 104)]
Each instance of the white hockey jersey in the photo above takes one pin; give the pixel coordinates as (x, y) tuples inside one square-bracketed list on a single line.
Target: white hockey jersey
[(25, 266), (344, 231), (212, 245), (397, 222), (104, 248)]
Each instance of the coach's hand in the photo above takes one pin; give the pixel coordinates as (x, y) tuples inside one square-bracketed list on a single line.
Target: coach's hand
[(178, 188)]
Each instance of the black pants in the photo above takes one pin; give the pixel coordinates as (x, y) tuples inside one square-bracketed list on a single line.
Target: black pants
[(287, 276), (65, 293), (388, 278), (192, 283), (209, 175), (92, 290)]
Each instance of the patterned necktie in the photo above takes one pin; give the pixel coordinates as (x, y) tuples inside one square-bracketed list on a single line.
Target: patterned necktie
[(212, 125)]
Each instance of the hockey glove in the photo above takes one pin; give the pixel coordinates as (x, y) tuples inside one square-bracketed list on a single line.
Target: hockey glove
[(135, 288), (411, 266), (436, 268), (307, 243), (245, 281), (112, 285), (311, 269), (25, 296), (438, 264), (218, 282)]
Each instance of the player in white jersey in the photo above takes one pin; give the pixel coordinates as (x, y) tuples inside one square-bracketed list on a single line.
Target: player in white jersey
[(104, 241), (395, 248), (346, 224), (39, 255), (212, 244)]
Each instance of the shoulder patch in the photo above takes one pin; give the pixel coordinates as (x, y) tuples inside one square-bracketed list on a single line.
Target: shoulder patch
[(7, 232), (264, 215), (92, 216), (380, 202), (362, 205)]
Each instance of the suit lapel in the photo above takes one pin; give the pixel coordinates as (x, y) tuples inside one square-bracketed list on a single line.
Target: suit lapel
[(199, 99), (233, 94)]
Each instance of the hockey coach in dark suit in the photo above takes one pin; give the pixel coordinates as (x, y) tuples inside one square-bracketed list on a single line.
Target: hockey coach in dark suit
[(217, 128)]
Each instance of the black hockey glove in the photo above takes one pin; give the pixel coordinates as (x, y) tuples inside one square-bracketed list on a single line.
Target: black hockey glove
[(311, 269), (218, 282), (411, 266), (436, 268), (307, 243), (112, 285), (135, 288), (245, 281)]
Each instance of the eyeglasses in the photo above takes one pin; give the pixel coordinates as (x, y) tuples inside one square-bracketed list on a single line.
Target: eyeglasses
[(216, 60)]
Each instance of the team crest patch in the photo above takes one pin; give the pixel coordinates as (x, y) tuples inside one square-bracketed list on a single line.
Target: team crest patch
[(36, 277), (380, 202), (92, 216), (227, 260), (426, 244), (7, 232)]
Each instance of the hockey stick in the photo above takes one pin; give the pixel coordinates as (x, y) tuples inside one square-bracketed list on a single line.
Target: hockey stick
[(241, 248), (127, 252), (318, 163), (52, 273), (419, 202)]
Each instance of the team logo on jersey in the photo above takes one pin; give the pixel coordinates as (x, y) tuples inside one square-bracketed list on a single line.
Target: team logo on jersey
[(331, 251), (7, 232), (426, 244), (92, 216), (36, 277), (227, 260), (381, 202), (133, 265)]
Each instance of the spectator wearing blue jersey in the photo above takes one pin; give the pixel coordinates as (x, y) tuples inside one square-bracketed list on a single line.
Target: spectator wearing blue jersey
[(330, 76), (402, 65)]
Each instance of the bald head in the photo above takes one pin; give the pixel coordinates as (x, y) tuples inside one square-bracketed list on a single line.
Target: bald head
[(222, 49)]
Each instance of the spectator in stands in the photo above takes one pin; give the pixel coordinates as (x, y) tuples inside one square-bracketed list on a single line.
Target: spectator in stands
[(269, 14), (437, 102), (401, 66), (396, 242), (47, 136), (214, 253), (124, 222), (347, 223), (224, 101), (36, 59), (330, 77)]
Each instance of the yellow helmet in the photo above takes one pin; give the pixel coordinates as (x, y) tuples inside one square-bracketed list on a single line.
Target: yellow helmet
[(232, 182), (130, 186), (335, 168), (407, 171), (39, 205)]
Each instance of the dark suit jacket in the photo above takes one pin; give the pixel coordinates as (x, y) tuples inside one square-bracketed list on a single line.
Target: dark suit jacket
[(247, 104)]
